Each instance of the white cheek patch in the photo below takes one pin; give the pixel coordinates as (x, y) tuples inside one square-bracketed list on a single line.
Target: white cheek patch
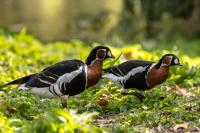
[(176, 61), (109, 54)]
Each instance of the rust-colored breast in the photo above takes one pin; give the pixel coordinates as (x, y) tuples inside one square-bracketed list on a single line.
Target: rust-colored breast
[(157, 76), (94, 73)]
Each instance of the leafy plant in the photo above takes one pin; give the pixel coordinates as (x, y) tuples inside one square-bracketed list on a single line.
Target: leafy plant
[(61, 121), (175, 101)]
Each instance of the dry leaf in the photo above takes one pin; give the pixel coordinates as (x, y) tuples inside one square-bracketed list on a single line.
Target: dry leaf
[(2, 101), (102, 101), (181, 127), (127, 55), (12, 109), (183, 91)]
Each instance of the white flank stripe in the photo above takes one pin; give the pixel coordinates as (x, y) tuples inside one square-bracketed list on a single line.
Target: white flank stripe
[(55, 87), (115, 72), (66, 78), (134, 72), (119, 71), (117, 79), (44, 91), (22, 87)]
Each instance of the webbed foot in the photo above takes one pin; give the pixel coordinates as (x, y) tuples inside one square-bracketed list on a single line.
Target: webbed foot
[(136, 94), (64, 101), (64, 105), (140, 96)]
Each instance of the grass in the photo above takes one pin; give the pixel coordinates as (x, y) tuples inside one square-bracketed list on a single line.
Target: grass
[(176, 101)]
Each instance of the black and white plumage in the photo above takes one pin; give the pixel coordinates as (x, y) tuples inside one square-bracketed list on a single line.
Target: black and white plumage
[(140, 74), (130, 73), (59, 80), (66, 78)]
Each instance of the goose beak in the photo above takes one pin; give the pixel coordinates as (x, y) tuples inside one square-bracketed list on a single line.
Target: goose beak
[(112, 56), (180, 64)]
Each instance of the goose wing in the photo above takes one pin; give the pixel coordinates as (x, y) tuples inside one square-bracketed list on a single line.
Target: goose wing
[(126, 67), (52, 74)]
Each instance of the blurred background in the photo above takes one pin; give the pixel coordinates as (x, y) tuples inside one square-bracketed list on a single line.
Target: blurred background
[(115, 21), (35, 34)]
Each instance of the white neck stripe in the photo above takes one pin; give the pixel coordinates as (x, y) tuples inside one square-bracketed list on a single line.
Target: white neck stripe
[(95, 60), (164, 65)]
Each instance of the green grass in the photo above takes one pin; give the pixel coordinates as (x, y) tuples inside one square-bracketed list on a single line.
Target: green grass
[(174, 102)]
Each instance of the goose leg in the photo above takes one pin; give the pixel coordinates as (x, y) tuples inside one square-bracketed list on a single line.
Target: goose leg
[(124, 91), (140, 96), (64, 101), (136, 94)]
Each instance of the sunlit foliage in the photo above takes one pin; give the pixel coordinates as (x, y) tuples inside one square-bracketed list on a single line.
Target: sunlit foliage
[(175, 101)]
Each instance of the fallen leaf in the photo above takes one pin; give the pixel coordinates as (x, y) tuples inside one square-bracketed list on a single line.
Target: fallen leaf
[(127, 55), (12, 109), (102, 101), (2, 101), (181, 127), (183, 91)]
